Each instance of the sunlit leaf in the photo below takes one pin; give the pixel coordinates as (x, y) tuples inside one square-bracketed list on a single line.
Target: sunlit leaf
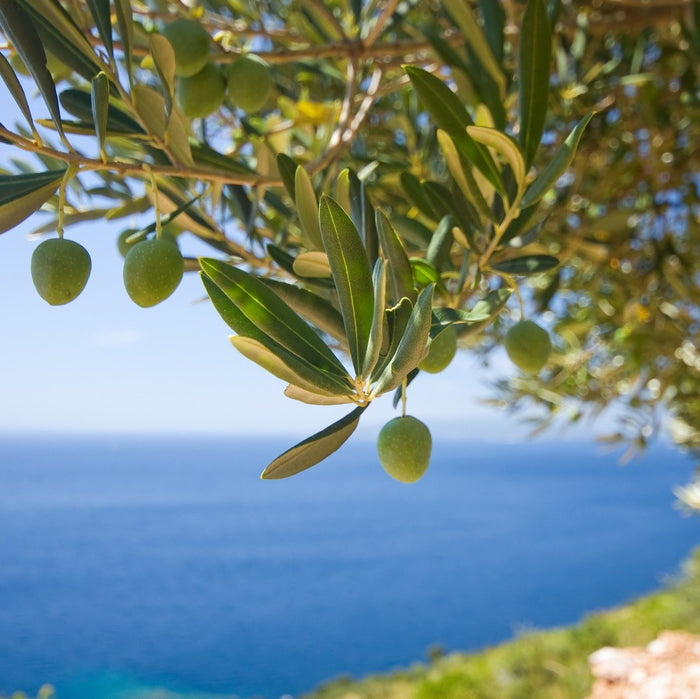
[(100, 105), (534, 66), (312, 264), (314, 449), (463, 15), (351, 274), (376, 337), (13, 85), (315, 309), (528, 264), (305, 396), (399, 268), (22, 195), (238, 321), (307, 207), (503, 144), (150, 106), (101, 15), (412, 346), (20, 31), (450, 115), (557, 166), (273, 316)]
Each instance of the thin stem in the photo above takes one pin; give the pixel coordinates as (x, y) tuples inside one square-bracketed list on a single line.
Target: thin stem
[(404, 388), (67, 176)]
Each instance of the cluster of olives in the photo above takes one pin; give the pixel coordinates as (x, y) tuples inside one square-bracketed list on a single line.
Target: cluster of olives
[(201, 85), (152, 270)]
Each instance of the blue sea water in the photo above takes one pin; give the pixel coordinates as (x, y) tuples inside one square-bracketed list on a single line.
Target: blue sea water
[(136, 568)]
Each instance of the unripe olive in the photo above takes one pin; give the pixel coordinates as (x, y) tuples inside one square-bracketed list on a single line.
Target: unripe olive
[(404, 446), (441, 351), (249, 82), (528, 346), (152, 271), (60, 270), (191, 45), (201, 94)]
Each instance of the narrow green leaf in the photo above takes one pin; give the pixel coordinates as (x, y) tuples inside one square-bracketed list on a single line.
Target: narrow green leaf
[(205, 156), (21, 33), (362, 214), (439, 249), (449, 114), (273, 316), (79, 103), (534, 66), (494, 26), (257, 352), (99, 9), (22, 195), (505, 145), (342, 191), (164, 61), (100, 106), (464, 17), (62, 37), (557, 166), (307, 207), (376, 339), (305, 396), (234, 317), (314, 449), (412, 187), (463, 177), (471, 321), (287, 168), (125, 22), (311, 307), (150, 106), (312, 264), (397, 320), (412, 346), (527, 264), (177, 139), (399, 268), (351, 274), (424, 272), (13, 85)]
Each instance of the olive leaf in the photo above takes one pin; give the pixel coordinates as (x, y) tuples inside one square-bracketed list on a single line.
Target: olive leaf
[(449, 114), (13, 85), (557, 166), (411, 347), (533, 74), (303, 395), (312, 264), (274, 317), (100, 105), (99, 9), (399, 268), (22, 195), (307, 207), (505, 145), (237, 320), (376, 336), (125, 22), (527, 264), (314, 449), (22, 34), (351, 274)]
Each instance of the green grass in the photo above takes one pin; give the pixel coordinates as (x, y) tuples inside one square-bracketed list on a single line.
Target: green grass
[(545, 664)]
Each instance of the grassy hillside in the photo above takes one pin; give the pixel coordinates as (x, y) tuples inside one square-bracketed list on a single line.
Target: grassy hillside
[(547, 664)]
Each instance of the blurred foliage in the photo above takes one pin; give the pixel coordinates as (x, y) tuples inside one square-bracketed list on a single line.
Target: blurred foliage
[(548, 664)]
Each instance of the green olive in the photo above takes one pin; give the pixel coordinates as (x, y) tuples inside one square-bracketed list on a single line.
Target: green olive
[(60, 270), (441, 351), (528, 346), (152, 271), (191, 45), (404, 446), (201, 94), (249, 83)]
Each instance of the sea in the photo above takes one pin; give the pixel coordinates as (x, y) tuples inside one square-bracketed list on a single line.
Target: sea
[(162, 567)]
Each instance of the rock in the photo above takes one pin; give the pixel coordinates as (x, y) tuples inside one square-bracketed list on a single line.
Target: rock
[(668, 668)]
